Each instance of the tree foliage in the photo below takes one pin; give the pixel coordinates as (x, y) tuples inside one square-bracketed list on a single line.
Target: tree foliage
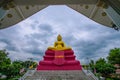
[(4, 60), (104, 68), (114, 56), (12, 69)]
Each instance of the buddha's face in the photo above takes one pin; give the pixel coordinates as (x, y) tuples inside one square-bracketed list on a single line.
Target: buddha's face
[(59, 38)]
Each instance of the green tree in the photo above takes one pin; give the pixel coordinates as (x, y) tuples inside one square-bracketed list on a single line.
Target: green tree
[(12, 69), (8, 68), (29, 63), (104, 68), (16, 68), (101, 61), (114, 56), (4, 61)]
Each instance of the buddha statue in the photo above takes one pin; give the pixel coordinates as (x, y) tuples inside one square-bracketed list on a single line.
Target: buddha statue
[(59, 44)]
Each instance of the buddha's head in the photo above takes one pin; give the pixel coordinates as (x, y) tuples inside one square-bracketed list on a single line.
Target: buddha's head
[(59, 38)]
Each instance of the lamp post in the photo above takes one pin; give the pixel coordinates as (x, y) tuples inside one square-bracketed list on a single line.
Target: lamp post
[(88, 67), (29, 62)]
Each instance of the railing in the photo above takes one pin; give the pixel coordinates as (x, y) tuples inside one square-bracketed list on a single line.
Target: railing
[(93, 76), (28, 73), (89, 73)]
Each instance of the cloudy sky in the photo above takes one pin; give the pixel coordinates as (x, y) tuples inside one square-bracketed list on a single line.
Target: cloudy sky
[(31, 37)]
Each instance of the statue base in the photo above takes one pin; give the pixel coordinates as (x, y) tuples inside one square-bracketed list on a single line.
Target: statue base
[(59, 60)]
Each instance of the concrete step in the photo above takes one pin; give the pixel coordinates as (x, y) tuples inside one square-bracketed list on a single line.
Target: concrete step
[(59, 75)]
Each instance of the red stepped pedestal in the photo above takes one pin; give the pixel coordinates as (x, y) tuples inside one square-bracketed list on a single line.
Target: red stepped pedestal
[(59, 60)]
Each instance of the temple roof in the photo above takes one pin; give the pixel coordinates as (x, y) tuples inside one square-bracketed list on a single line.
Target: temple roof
[(12, 12)]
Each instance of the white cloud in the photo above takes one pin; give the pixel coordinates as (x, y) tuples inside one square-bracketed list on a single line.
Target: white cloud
[(31, 37), (23, 56)]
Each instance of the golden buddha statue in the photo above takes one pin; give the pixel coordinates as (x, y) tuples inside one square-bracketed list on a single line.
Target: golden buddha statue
[(59, 44)]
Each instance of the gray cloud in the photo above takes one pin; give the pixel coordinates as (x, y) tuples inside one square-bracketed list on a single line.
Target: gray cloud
[(45, 27), (33, 50), (31, 37)]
